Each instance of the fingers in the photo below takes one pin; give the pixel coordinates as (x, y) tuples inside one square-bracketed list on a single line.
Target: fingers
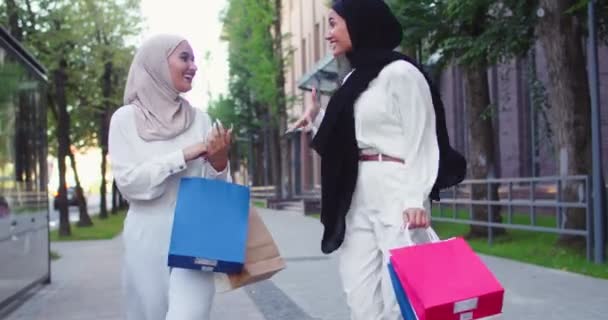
[(424, 220), (218, 132), (215, 135), (215, 130), (204, 149), (306, 124), (416, 218), (224, 135), (228, 137), (219, 140), (302, 122), (220, 129)]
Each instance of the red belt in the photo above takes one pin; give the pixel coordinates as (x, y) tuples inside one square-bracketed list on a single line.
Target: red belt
[(379, 157)]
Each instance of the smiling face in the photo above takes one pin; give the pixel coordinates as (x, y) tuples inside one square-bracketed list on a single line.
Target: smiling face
[(338, 37), (182, 67)]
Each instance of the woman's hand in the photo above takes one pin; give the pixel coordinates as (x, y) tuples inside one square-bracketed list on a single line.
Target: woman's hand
[(194, 151), (416, 218), (218, 146), (309, 114)]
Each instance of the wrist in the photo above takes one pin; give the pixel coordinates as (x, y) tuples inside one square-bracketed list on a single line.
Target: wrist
[(194, 151), (314, 112), (219, 165)]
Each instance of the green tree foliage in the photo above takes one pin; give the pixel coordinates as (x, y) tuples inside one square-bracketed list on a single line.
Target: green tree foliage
[(256, 96), (82, 44)]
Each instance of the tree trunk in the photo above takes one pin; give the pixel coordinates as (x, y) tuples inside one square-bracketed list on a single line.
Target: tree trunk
[(275, 158), (561, 36), (104, 124), (13, 20), (410, 51), (24, 153), (103, 204), (267, 152), (234, 160), (115, 203), (482, 162), (250, 159), (84, 218), (285, 155), (259, 172), (63, 139), (31, 16), (123, 204)]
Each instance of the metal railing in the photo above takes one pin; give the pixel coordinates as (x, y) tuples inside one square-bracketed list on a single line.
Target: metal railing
[(539, 196), (263, 192)]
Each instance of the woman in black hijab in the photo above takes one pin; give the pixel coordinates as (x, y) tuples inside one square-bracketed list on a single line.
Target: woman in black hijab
[(384, 151)]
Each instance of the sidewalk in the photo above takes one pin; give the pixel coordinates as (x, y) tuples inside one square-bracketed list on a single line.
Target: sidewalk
[(86, 284)]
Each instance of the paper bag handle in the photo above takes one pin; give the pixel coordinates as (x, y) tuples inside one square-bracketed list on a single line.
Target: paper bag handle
[(432, 235)]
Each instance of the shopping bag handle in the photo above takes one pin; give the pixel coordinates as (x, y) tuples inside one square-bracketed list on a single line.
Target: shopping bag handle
[(405, 229)]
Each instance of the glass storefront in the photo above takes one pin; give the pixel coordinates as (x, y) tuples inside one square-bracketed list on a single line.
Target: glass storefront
[(24, 205)]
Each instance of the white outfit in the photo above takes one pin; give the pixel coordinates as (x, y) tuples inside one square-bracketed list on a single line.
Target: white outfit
[(147, 174), (395, 117)]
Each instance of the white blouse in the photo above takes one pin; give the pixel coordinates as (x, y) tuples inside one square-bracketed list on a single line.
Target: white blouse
[(395, 116), (147, 174)]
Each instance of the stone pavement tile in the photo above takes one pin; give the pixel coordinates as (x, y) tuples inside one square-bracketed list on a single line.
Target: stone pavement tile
[(86, 285), (315, 286), (274, 303), (311, 278), (235, 305), (296, 235)]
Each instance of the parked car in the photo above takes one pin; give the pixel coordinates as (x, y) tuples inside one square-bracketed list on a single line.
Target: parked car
[(71, 195)]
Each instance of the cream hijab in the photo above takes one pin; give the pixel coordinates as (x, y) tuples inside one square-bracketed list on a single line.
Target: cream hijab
[(161, 113)]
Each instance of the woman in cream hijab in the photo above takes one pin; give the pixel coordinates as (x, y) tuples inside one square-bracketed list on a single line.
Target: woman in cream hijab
[(156, 138)]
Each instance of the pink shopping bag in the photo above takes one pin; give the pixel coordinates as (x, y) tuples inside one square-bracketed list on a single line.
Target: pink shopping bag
[(446, 280)]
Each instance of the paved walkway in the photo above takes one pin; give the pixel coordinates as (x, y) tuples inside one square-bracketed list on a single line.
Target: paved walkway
[(86, 284)]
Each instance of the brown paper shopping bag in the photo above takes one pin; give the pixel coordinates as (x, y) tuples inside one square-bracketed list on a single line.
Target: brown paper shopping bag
[(262, 258)]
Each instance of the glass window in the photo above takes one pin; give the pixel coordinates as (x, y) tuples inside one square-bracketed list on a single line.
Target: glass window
[(23, 179)]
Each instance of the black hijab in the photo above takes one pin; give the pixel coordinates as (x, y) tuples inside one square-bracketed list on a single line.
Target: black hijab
[(374, 33)]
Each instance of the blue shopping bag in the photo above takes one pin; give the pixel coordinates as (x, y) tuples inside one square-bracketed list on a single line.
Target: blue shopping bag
[(210, 226), (404, 304)]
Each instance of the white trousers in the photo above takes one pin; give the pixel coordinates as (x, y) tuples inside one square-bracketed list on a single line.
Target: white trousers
[(153, 290), (373, 227)]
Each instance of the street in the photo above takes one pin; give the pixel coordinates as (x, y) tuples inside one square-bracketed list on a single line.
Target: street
[(86, 284)]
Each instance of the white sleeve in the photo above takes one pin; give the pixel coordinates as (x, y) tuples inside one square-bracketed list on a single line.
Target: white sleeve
[(140, 180), (412, 102), (210, 172)]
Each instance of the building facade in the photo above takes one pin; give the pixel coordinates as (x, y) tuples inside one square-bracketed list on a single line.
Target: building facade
[(522, 136), (305, 23), (24, 208)]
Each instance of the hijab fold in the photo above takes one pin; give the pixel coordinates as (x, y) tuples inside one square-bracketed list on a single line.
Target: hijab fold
[(375, 33), (161, 112)]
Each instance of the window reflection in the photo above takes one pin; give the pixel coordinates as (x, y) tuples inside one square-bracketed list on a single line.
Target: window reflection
[(23, 173), (21, 135)]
